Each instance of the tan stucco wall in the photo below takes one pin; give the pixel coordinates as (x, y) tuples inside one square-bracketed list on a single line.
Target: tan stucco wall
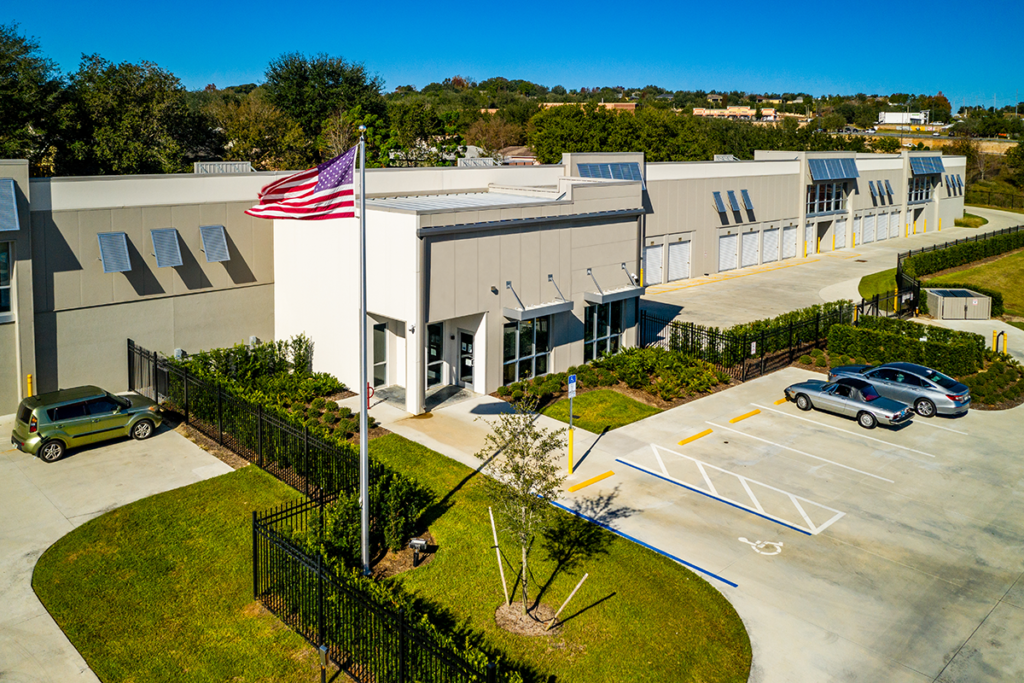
[(17, 342)]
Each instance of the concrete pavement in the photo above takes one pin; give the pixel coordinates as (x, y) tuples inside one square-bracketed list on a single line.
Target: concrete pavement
[(900, 553), (40, 503)]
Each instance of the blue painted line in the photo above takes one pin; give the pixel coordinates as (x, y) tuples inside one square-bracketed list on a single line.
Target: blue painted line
[(646, 545), (721, 500)]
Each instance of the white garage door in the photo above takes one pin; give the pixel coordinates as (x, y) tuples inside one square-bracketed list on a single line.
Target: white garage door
[(727, 245), (789, 242), (810, 244), (678, 261), (840, 233), (869, 229), (652, 265), (749, 257), (770, 250), (857, 237), (882, 227), (894, 225)]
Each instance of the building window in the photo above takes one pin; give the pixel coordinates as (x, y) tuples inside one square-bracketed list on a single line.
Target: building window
[(826, 198), (602, 329), (5, 278), (527, 349), (919, 189)]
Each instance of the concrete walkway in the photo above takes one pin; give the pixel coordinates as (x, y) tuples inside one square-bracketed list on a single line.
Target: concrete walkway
[(40, 503)]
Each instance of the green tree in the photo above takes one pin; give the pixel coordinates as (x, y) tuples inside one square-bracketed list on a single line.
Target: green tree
[(311, 89), (493, 134), (885, 145), (833, 122), (1014, 160), (255, 130), (340, 133), (30, 87), (525, 477), (129, 118)]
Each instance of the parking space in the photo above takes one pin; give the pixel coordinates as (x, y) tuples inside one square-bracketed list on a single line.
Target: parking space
[(863, 554)]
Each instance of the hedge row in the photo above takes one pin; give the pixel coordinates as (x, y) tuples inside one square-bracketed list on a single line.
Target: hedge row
[(939, 335), (886, 347), (998, 308), (919, 265)]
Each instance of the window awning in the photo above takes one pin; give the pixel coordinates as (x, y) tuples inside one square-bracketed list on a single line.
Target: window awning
[(215, 243), (833, 169), (614, 295), (531, 312), (746, 200), (8, 206), (871, 184), (114, 252), (926, 165), (719, 205), (166, 247)]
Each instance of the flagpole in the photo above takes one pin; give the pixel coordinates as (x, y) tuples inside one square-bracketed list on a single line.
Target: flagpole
[(364, 393)]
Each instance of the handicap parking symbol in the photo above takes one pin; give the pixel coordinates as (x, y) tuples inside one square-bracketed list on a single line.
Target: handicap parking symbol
[(764, 547)]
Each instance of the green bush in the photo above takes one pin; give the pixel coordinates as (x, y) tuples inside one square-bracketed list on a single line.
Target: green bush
[(344, 412), (503, 391), (930, 333), (821, 362), (517, 395), (919, 265), (806, 360), (959, 357), (319, 403)]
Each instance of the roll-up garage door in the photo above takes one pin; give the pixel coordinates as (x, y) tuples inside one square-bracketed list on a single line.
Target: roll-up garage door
[(727, 245), (857, 237), (840, 233), (810, 244), (894, 225), (678, 260), (789, 242), (882, 227), (749, 255), (869, 229), (652, 267), (770, 250)]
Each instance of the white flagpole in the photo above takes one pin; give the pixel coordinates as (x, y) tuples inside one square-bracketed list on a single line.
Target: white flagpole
[(364, 393)]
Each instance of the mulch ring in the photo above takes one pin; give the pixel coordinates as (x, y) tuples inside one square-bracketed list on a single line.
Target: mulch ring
[(393, 563), (511, 618), (635, 394), (340, 396)]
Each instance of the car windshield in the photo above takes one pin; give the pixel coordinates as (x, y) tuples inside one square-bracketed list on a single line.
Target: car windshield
[(869, 393), (941, 380)]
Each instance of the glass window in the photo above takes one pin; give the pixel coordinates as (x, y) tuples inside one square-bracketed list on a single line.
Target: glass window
[(380, 354), (826, 198), (102, 406), (68, 412), (435, 351), (5, 277), (527, 348), (602, 325)]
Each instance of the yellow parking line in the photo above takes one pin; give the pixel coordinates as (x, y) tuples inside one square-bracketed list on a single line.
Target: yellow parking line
[(752, 413), (694, 437), (588, 482), (781, 401)]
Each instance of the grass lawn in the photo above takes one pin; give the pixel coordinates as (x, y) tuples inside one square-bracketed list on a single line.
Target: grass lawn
[(997, 208), (882, 282), (1018, 325), (161, 589), (1004, 275), (638, 617), (970, 221), (600, 410)]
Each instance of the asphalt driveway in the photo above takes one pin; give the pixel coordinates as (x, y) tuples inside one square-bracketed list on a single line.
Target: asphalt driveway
[(39, 503)]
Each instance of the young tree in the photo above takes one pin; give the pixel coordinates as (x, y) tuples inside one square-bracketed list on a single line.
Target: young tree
[(885, 145), (493, 134), (257, 131), (1015, 163), (525, 476)]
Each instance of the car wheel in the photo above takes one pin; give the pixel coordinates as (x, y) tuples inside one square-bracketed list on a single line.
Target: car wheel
[(924, 407), (867, 420), (52, 451), (803, 403), (143, 429)]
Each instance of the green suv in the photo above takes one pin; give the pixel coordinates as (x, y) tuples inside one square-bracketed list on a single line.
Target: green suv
[(49, 424)]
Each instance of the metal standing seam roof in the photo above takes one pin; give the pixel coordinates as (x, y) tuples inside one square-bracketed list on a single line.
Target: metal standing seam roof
[(465, 200)]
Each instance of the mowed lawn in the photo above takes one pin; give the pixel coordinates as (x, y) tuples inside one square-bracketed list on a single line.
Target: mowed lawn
[(161, 589), (882, 283), (638, 617), (1004, 275), (599, 410)]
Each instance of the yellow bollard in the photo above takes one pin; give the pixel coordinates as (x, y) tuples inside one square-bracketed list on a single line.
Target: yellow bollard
[(906, 232), (819, 246), (30, 384), (940, 225), (570, 451), (833, 241), (994, 341), (925, 231), (915, 227)]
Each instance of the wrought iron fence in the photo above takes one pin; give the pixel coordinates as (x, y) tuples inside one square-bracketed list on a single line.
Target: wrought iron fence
[(990, 198), (367, 640), (743, 356)]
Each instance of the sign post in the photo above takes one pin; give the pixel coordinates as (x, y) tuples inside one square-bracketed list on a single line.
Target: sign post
[(572, 395)]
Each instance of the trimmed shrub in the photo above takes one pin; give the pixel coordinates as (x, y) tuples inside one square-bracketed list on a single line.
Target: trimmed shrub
[(503, 391), (806, 360), (956, 358), (919, 265), (319, 403), (930, 333)]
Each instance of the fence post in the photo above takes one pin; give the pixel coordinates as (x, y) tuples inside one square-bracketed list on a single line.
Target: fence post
[(790, 341), (743, 357), (320, 599), (817, 328), (156, 393), (762, 351), (403, 647), (259, 432), (131, 365), (305, 456), (220, 418), (185, 379), (255, 559), (492, 672)]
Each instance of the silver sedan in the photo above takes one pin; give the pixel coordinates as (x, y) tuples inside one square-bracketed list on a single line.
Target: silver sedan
[(929, 391), (850, 397)]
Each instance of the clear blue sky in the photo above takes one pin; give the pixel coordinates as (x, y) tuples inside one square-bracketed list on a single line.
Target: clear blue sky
[(968, 50)]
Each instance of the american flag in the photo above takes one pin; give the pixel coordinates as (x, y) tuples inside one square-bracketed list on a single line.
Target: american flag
[(325, 191)]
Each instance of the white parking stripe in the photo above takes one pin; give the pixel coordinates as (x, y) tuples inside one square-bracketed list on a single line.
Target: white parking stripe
[(845, 431), (815, 457), (660, 462), (927, 423)]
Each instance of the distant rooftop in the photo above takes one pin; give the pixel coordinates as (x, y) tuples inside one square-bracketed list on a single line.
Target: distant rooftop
[(443, 202)]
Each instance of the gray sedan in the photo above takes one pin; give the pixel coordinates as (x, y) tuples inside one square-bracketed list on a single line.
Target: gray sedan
[(929, 391), (850, 397)]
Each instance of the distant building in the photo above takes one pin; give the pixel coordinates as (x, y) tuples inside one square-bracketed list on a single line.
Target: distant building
[(619, 106), (903, 118), (737, 114), (715, 99)]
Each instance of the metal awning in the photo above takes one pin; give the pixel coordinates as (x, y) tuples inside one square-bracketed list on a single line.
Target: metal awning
[(926, 165), (614, 295), (833, 169), (8, 205), (531, 312)]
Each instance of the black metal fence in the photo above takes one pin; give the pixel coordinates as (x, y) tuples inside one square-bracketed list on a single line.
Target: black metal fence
[(1002, 199), (367, 640), (308, 464), (748, 355)]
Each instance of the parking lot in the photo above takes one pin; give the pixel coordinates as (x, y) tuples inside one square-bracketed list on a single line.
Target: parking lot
[(851, 554)]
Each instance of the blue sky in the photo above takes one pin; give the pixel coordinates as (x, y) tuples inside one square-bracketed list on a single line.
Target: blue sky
[(969, 51)]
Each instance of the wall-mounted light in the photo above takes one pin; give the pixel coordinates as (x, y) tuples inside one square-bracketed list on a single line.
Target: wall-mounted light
[(412, 329), (494, 290)]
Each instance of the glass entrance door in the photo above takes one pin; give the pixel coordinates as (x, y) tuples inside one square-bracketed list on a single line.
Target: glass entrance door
[(465, 359), (380, 355), (435, 354)]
